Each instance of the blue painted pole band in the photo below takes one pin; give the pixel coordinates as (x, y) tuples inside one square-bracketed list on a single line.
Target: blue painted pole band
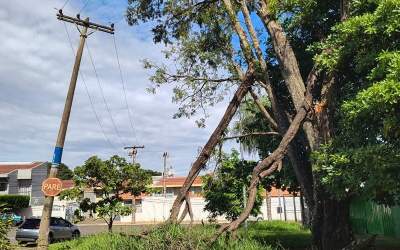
[(57, 155)]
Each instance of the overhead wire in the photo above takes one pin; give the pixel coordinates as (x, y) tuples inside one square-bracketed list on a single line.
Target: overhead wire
[(84, 6), (124, 90), (88, 94), (103, 96), (65, 3)]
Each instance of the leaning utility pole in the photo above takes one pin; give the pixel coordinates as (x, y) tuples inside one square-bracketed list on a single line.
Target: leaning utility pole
[(43, 239), (133, 152)]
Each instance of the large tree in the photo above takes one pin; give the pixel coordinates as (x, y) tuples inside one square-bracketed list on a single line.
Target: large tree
[(109, 179), (309, 58)]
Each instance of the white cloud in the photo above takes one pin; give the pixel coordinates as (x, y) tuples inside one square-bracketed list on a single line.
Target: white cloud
[(35, 66)]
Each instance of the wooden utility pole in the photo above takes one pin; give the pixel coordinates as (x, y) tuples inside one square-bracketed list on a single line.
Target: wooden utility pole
[(165, 155), (133, 154), (43, 239), (133, 151)]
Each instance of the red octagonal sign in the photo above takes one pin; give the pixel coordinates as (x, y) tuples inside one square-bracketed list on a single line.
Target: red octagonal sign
[(51, 186)]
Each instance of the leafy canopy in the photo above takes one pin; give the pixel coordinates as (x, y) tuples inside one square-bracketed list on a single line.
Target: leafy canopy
[(109, 179), (223, 191)]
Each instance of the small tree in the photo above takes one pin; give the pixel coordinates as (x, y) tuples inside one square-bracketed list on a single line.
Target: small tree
[(5, 225), (64, 172), (223, 191), (109, 179)]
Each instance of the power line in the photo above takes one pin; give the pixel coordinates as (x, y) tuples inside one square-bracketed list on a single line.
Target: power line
[(88, 94), (124, 90), (102, 94), (84, 6), (65, 3)]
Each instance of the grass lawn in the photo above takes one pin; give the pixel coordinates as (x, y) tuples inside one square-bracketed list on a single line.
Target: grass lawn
[(287, 235), (269, 235)]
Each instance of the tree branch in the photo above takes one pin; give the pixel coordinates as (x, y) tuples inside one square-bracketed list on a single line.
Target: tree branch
[(264, 111), (250, 134)]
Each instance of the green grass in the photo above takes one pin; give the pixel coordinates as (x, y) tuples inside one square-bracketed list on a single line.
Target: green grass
[(288, 235), (171, 237), (269, 235)]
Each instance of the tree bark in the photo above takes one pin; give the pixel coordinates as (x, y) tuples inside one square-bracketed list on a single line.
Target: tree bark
[(212, 142), (268, 165), (110, 224), (288, 64)]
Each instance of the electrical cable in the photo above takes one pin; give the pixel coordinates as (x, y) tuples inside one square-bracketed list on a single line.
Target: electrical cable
[(88, 94), (84, 6), (65, 3), (102, 94), (124, 90)]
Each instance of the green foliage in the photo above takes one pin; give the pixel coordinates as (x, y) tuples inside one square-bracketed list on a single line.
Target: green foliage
[(64, 172), (370, 171), (251, 120), (5, 226), (109, 179), (168, 237), (152, 172), (14, 202), (223, 191), (362, 37)]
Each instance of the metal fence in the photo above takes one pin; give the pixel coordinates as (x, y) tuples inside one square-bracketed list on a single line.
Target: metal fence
[(370, 218)]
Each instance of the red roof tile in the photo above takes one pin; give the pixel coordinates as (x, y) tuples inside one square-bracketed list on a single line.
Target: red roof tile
[(176, 182), (66, 184), (8, 167)]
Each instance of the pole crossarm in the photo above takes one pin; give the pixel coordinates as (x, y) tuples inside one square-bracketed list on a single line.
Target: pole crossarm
[(85, 23), (134, 147)]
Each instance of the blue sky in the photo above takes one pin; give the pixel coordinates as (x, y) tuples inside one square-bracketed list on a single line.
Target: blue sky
[(35, 66)]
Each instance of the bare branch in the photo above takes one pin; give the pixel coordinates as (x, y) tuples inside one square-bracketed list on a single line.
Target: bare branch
[(250, 134)]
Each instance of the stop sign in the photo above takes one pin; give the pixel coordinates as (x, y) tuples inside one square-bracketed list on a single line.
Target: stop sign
[(51, 186)]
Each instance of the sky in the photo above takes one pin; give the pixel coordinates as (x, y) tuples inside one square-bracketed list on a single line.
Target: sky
[(36, 62)]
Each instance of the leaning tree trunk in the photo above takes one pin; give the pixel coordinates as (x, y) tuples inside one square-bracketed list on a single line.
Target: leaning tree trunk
[(211, 143), (268, 165)]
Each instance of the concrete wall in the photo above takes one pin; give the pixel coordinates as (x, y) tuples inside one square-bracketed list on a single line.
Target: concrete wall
[(156, 209), (39, 174), (59, 209), (13, 183)]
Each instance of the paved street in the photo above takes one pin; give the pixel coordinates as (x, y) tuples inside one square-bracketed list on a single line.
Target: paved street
[(89, 229)]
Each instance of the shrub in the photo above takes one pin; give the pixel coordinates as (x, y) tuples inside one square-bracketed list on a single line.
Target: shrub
[(168, 237), (14, 202)]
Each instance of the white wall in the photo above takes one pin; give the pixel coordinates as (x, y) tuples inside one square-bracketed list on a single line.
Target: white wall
[(156, 209), (59, 208)]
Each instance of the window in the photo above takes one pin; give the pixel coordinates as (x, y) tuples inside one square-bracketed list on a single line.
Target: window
[(24, 187), (3, 184)]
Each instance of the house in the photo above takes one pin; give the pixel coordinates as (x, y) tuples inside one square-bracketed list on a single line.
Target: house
[(25, 178), (155, 207)]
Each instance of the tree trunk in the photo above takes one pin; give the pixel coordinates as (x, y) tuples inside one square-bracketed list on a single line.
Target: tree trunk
[(331, 225), (110, 224), (211, 143)]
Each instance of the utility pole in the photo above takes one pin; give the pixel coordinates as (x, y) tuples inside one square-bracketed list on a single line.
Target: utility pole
[(165, 155), (58, 150), (132, 153)]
